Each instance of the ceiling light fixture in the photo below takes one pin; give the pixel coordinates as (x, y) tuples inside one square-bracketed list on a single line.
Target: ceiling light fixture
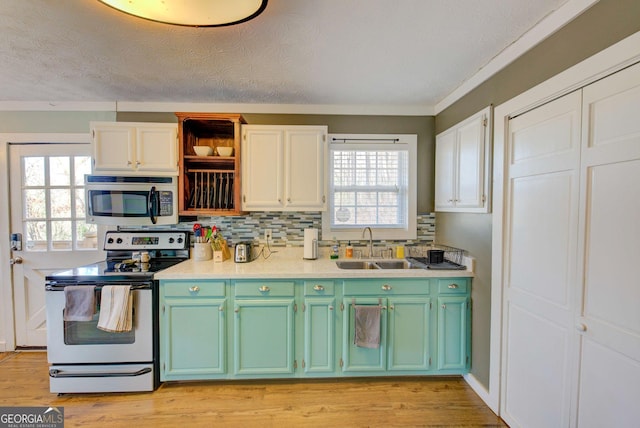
[(192, 13)]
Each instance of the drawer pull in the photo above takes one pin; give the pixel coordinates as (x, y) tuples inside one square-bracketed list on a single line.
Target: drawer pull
[(264, 289), (386, 287), (453, 286), (194, 289), (318, 288)]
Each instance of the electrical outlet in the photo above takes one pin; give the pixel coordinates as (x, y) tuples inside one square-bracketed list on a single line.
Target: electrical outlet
[(267, 234)]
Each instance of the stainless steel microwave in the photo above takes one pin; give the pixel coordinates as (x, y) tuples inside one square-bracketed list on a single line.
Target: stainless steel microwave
[(131, 200)]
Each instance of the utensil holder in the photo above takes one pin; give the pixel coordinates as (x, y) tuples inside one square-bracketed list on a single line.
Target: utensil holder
[(202, 251)]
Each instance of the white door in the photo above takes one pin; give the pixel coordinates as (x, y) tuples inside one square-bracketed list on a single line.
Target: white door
[(610, 311), (541, 207), (47, 209)]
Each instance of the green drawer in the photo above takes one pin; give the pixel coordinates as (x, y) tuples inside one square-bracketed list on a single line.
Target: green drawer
[(319, 288), (389, 286), (453, 286), (194, 289), (264, 288)]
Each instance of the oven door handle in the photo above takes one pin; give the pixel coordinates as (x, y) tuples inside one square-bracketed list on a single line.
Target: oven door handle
[(52, 286), (62, 374)]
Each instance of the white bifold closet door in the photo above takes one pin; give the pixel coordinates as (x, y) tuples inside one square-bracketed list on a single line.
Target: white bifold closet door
[(609, 384), (541, 214)]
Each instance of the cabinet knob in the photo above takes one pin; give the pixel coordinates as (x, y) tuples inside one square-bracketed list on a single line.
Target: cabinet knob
[(236, 310), (331, 307), (129, 163), (194, 289), (453, 286), (444, 306), (386, 287), (581, 327), (221, 308), (391, 307), (264, 288), (318, 287), (137, 163), (288, 199)]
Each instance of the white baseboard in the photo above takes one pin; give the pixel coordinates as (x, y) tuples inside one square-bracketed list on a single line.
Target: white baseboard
[(3, 346), (483, 392)]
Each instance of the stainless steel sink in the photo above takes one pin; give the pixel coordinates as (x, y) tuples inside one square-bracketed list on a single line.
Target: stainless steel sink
[(394, 264), (356, 264), (375, 264)]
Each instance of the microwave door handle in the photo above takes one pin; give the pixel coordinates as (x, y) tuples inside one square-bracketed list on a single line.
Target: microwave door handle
[(153, 205)]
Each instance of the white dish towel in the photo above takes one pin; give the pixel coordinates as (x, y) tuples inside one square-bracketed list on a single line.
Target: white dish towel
[(116, 308)]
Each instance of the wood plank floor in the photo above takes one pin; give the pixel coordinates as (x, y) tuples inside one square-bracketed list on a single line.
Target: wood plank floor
[(388, 402)]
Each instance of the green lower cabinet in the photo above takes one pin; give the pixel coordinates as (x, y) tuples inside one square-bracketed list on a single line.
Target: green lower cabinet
[(357, 358), (319, 335), (263, 328), (405, 325), (409, 333), (192, 331), (263, 337), (453, 331)]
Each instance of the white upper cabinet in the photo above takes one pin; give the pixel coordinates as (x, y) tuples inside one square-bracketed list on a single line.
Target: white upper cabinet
[(462, 165), (284, 168), (132, 147)]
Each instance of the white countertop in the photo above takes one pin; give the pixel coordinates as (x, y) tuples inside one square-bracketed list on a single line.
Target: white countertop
[(288, 263)]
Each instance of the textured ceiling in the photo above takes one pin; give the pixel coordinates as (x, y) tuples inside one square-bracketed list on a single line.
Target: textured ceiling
[(320, 52)]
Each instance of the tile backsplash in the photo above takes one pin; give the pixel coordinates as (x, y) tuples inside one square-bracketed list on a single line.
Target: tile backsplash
[(288, 228)]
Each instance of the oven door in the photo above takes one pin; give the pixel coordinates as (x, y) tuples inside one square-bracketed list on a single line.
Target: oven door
[(81, 342)]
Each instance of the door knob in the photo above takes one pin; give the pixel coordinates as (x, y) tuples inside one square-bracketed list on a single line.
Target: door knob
[(15, 261), (581, 327)]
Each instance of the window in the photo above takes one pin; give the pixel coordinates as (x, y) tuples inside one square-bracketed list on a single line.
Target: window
[(372, 183)]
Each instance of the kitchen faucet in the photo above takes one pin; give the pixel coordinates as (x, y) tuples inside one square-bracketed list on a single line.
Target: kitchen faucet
[(370, 240)]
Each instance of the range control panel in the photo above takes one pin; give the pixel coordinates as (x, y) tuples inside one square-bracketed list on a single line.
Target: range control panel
[(146, 240)]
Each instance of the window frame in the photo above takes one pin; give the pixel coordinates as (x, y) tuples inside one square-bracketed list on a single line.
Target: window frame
[(407, 142)]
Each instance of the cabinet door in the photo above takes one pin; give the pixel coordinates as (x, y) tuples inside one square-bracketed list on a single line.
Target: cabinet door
[(452, 332), (305, 177), (192, 338), (359, 359), (409, 326), (319, 335), (445, 170), (262, 168), (470, 164), (113, 147), (264, 337), (157, 148)]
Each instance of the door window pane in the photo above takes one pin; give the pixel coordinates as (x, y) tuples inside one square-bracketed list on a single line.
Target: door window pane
[(36, 233), (34, 204), (61, 235), (87, 236), (59, 170), (33, 171), (60, 203)]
